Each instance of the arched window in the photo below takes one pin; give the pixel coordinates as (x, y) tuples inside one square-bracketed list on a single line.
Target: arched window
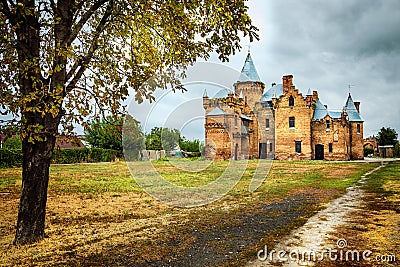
[(291, 101)]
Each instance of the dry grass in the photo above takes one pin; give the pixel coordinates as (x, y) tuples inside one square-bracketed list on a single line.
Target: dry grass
[(376, 226), (97, 214)]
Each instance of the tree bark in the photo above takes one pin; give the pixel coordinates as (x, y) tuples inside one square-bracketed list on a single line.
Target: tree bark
[(35, 179)]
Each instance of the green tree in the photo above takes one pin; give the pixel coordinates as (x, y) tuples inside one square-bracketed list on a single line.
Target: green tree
[(58, 58), (396, 151), (13, 143), (387, 136), (162, 139), (105, 133), (189, 145), (132, 138)]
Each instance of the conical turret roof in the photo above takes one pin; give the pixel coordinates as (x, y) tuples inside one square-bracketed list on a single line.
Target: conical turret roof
[(249, 72), (352, 111)]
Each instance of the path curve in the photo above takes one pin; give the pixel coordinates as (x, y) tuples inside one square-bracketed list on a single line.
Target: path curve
[(318, 232)]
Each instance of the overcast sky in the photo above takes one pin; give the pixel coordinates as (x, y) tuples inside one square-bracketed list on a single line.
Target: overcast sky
[(326, 46)]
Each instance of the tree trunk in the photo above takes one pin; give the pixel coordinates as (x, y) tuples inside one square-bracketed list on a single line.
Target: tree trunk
[(35, 179)]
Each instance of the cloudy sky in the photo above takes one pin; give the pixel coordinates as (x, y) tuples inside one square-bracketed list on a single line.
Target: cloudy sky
[(326, 46)]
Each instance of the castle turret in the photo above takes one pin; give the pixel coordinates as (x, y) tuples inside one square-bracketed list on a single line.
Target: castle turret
[(356, 128), (249, 83)]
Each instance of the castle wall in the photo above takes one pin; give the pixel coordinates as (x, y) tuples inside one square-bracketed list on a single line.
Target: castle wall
[(357, 140), (266, 135), (337, 135), (286, 136), (218, 141)]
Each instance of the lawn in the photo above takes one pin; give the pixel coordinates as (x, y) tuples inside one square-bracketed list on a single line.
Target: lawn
[(98, 215)]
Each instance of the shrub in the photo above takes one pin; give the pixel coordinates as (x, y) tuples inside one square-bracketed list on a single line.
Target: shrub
[(13, 157), (10, 157), (101, 155), (396, 151), (69, 156), (13, 143)]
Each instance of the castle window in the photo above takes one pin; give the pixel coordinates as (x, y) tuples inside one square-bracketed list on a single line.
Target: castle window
[(267, 124), (328, 125), (270, 147), (236, 121), (298, 146), (291, 122), (330, 147), (291, 101), (245, 99), (358, 128)]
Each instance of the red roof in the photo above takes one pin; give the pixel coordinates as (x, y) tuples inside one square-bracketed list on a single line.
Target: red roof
[(68, 142)]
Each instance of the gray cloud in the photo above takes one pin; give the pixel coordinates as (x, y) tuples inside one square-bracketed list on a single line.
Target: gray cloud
[(326, 45)]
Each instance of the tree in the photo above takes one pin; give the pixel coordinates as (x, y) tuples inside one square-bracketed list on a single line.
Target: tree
[(13, 142), (133, 138), (387, 136), (60, 60), (162, 139), (105, 133), (189, 145), (396, 150)]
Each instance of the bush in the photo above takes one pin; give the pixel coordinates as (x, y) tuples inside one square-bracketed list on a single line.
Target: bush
[(69, 156), (396, 151), (79, 155), (13, 157), (13, 143), (10, 158), (101, 155)]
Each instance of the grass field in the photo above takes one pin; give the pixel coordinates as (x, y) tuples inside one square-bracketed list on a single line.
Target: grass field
[(97, 214), (376, 226)]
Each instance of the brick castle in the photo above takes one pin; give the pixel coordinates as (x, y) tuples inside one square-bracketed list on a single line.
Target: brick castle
[(279, 123)]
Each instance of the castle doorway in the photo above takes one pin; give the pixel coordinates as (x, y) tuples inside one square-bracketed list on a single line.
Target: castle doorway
[(319, 152), (236, 151), (263, 150)]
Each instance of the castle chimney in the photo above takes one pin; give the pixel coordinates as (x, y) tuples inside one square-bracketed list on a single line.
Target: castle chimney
[(326, 106), (315, 95), (357, 104), (287, 82), (273, 84)]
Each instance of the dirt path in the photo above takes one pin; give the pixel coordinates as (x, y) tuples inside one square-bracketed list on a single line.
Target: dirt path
[(318, 234)]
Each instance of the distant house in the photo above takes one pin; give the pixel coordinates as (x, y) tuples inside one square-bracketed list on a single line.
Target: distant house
[(386, 151), (85, 143), (68, 142)]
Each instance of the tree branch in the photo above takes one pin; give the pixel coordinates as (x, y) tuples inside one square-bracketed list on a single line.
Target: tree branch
[(6, 11), (81, 65), (83, 21)]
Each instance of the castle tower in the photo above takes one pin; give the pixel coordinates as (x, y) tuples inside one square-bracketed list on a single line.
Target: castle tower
[(356, 128), (249, 83)]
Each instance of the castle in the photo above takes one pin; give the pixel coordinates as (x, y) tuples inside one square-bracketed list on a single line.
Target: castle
[(279, 123)]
